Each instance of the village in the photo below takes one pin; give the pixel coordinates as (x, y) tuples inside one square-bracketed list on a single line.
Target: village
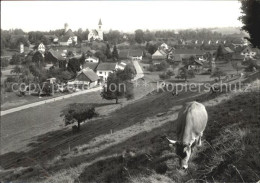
[(72, 65)]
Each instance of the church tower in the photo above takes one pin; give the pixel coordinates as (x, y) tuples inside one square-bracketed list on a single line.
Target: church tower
[(100, 32), (66, 27)]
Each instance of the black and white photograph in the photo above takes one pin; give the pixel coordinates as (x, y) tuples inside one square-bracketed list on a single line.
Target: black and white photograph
[(127, 91)]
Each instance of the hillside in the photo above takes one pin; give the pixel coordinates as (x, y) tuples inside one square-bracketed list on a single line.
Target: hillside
[(135, 151)]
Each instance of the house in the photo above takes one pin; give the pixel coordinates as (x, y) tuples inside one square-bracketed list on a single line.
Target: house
[(90, 65), (238, 57), (96, 34), (164, 46), (41, 48), (131, 54), (92, 59), (52, 38), (250, 52), (87, 77), (159, 55), (68, 37), (135, 54), (121, 66), (187, 53), (196, 65), (104, 69), (66, 41), (57, 57)]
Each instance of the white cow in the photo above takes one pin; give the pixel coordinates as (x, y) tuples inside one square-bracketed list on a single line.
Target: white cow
[(191, 123)]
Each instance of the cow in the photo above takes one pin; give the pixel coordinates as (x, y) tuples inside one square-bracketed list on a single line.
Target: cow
[(191, 123)]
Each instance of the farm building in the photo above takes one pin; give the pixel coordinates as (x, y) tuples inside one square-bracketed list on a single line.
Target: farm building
[(104, 69), (159, 55), (87, 77)]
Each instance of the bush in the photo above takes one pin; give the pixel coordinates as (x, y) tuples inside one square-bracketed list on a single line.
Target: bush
[(162, 66), (4, 62), (164, 76), (152, 68), (170, 72)]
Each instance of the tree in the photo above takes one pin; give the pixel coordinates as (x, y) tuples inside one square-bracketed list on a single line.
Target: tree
[(139, 36), (251, 65), (108, 52), (119, 85), (38, 58), (73, 65), (115, 54), (235, 66), (162, 66), (4, 62), (170, 72), (218, 73), (251, 19), (185, 73), (17, 59), (189, 61), (151, 48), (219, 53), (16, 70), (148, 36), (78, 112), (101, 56), (128, 73), (164, 75)]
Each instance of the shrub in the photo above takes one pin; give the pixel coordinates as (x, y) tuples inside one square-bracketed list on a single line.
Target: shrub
[(162, 66), (170, 72), (164, 76)]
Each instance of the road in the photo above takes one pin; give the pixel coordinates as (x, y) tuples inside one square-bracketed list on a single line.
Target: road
[(139, 71), (49, 101)]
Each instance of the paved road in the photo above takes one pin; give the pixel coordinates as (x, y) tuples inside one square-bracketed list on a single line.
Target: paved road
[(48, 101), (139, 71)]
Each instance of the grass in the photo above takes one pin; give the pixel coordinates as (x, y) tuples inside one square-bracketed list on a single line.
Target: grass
[(228, 141), (226, 156)]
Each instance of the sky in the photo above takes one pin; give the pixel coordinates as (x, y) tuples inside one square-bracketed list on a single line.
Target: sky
[(119, 15)]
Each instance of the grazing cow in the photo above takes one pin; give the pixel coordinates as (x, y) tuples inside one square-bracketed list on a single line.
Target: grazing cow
[(190, 125)]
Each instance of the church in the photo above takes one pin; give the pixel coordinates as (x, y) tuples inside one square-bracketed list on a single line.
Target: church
[(96, 34)]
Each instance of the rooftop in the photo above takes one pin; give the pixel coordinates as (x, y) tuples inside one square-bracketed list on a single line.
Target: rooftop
[(106, 66)]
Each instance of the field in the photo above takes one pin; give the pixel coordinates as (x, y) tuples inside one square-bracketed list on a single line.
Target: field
[(125, 146)]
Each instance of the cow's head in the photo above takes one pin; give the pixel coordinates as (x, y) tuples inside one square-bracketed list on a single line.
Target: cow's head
[(183, 151)]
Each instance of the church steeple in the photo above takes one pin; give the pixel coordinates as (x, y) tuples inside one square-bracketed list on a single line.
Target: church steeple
[(100, 31), (99, 23)]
